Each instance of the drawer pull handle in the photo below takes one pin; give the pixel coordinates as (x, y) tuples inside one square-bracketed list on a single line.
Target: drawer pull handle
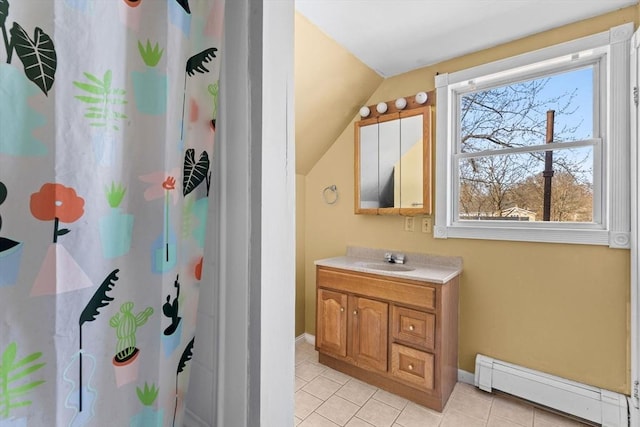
[(355, 312), (341, 309), (410, 367), (411, 327)]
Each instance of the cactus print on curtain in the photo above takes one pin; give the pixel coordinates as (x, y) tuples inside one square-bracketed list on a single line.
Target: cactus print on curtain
[(107, 124)]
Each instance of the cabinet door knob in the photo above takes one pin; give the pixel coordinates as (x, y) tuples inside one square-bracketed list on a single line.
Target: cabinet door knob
[(341, 309), (411, 327), (410, 367), (355, 312)]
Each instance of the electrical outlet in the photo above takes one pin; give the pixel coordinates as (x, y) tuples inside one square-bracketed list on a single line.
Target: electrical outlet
[(426, 224), (408, 223)]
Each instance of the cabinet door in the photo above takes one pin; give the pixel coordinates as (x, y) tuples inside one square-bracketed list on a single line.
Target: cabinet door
[(331, 322), (370, 333)]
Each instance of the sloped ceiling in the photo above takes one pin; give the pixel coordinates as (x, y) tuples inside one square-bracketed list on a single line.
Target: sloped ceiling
[(330, 87)]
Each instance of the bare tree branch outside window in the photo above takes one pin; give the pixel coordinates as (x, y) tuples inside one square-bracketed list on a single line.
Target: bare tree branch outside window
[(495, 185)]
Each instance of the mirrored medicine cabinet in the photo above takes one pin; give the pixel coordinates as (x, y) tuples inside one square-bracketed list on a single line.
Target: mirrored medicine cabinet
[(393, 162)]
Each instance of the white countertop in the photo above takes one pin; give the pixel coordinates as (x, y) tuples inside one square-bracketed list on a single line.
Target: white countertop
[(422, 267)]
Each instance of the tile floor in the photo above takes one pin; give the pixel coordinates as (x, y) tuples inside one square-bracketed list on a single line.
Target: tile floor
[(327, 398)]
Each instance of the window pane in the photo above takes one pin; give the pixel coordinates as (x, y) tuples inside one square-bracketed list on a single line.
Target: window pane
[(515, 115), (511, 187)]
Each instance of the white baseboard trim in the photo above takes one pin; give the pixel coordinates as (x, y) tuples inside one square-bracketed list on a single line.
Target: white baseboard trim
[(311, 339), (465, 377), (192, 420)]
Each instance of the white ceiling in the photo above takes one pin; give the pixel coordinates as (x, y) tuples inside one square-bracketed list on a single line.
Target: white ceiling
[(396, 36)]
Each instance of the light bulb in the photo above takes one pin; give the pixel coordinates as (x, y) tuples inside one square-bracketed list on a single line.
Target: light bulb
[(401, 103), (364, 111), (421, 97), (381, 107)]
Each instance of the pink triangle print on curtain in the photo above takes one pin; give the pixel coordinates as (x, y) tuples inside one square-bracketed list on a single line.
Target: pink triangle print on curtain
[(107, 125)]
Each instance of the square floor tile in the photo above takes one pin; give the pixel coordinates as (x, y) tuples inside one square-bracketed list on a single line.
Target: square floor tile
[(321, 387), (390, 399), (338, 410), (542, 418), (512, 410), (299, 383), (357, 422), (455, 418), (305, 404), (356, 391), (301, 357), (501, 422), (472, 390), (308, 370), (378, 414), (315, 420), (336, 376), (469, 404), (418, 416)]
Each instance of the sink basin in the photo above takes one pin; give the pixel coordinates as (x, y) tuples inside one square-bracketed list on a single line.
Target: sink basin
[(385, 266)]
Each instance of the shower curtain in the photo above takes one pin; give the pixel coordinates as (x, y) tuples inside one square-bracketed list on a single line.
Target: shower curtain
[(107, 124)]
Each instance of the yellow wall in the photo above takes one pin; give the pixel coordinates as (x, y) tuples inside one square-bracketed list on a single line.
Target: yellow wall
[(561, 309), (300, 257)]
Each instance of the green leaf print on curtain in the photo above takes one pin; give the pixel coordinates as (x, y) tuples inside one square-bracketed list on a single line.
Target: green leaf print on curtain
[(12, 375), (38, 55)]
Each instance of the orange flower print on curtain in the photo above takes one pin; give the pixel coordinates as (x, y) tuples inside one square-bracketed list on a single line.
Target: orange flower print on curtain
[(58, 203), (59, 271), (169, 183)]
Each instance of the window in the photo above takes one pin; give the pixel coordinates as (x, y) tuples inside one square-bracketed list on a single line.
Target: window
[(536, 147)]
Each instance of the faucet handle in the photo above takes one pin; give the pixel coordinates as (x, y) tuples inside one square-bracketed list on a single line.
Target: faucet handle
[(388, 256), (399, 259)]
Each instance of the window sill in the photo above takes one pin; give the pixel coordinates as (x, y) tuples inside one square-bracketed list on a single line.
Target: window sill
[(522, 234)]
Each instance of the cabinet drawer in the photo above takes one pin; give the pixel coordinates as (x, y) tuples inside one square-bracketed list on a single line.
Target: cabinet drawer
[(412, 366), (414, 327)]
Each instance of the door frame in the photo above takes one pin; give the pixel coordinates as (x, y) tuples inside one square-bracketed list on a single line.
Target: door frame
[(634, 405), (254, 224)]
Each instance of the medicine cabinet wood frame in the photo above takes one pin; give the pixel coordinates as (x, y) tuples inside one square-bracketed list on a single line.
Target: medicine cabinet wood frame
[(426, 113)]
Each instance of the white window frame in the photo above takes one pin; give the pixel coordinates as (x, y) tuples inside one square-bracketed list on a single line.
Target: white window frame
[(611, 147)]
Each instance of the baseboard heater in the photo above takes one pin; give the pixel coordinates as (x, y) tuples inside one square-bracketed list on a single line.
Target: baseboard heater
[(601, 406)]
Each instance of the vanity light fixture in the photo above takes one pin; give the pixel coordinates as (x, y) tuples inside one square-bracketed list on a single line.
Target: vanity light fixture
[(381, 107), (421, 97), (394, 106), (401, 103)]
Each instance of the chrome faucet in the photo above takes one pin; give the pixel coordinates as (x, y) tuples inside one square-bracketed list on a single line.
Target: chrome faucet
[(394, 259)]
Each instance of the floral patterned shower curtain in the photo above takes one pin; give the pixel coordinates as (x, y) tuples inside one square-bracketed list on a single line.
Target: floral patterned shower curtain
[(107, 124)]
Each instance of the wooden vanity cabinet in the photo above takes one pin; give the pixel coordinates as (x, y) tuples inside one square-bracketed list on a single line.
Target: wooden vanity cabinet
[(399, 335)]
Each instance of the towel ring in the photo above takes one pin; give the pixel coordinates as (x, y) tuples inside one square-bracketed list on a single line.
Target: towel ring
[(332, 197)]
